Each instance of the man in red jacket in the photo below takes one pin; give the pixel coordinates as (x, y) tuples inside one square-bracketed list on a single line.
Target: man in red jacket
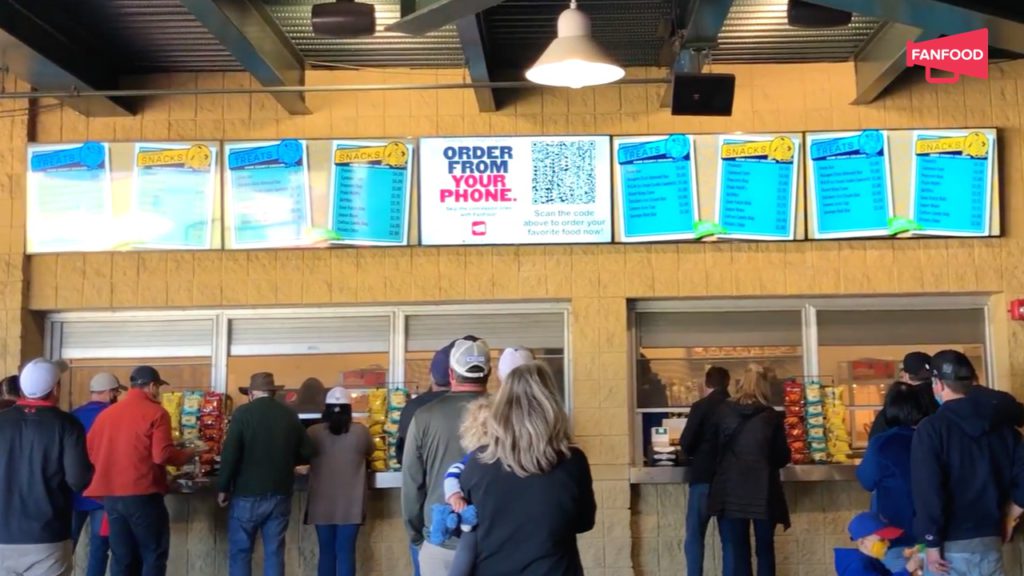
[(130, 445)]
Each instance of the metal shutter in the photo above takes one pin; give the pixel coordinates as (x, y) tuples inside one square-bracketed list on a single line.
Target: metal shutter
[(686, 329), (165, 338), (427, 333), (900, 327), (330, 335)]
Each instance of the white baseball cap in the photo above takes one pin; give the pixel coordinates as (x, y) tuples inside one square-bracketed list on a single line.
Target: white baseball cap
[(338, 395), (470, 358), (39, 377), (511, 359), (105, 381)]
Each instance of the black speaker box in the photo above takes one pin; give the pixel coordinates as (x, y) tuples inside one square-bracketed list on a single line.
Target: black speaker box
[(801, 14), (703, 94)]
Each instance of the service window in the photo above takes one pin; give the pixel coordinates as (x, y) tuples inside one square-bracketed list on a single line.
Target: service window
[(542, 332), (862, 351)]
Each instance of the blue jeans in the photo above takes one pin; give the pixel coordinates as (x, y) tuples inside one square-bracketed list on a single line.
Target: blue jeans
[(140, 535), (414, 553), (735, 533), (697, 519), (337, 549), (975, 563), (267, 515), (99, 546)]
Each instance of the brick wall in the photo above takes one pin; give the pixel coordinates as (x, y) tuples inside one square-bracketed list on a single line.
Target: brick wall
[(597, 280)]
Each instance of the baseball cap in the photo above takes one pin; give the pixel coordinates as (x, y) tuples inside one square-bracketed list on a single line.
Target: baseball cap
[(470, 357), (146, 375), (867, 523), (39, 377), (439, 366), (952, 365), (916, 363), (103, 382), (511, 359), (338, 395)]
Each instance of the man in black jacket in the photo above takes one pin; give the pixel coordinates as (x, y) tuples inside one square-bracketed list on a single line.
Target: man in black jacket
[(698, 445), (43, 462), (962, 470)]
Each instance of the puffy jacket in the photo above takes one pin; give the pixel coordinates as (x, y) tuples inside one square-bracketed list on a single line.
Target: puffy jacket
[(853, 562), (43, 461), (885, 470)]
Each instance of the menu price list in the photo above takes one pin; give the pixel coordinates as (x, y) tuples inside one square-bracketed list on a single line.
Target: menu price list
[(757, 189), (851, 185)]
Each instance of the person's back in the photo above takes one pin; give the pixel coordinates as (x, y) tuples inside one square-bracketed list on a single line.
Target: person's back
[(337, 476), (541, 520), (266, 444), (885, 470)]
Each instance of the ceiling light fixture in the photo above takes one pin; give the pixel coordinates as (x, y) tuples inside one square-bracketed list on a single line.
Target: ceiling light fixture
[(573, 59)]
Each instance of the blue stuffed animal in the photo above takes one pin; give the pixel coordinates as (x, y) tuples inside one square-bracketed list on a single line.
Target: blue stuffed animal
[(445, 523)]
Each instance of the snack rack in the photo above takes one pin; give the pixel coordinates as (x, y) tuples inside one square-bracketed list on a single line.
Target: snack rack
[(816, 424)]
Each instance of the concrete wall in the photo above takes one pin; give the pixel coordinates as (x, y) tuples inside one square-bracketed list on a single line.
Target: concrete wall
[(639, 530)]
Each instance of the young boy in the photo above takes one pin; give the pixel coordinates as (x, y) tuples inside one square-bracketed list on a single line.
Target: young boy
[(872, 535)]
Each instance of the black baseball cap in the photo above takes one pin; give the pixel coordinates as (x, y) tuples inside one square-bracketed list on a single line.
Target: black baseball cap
[(917, 363), (952, 365), (146, 375)]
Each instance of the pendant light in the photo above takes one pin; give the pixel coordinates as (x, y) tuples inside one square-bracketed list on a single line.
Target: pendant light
[(573, 59)]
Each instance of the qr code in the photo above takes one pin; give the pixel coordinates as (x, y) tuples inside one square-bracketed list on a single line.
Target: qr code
[(564, 172)]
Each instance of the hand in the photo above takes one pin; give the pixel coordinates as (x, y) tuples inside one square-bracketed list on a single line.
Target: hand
[(457, 502), (1010, 520), (914, 561), (935, 563), (303, 470), (223, 498)]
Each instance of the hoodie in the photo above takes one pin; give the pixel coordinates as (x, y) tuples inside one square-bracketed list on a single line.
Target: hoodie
[(963, 469), (853, 562), (885, 470)]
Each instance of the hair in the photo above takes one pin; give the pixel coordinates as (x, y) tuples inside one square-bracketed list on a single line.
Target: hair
[(10, 387), (311, 391), (528, 426), (480, 380), (473, 433), (958, 386), (903, 406), (753, 387), (338, 418), (716, 378)]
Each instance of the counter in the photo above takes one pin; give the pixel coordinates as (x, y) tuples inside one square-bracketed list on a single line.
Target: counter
[(791, 473), (378, 481)]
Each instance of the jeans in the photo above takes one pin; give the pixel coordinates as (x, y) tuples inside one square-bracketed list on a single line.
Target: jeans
[(36, 559), (697, 519), (735, 533), (248, 515), (414, 554), (435, 560), (894, 559), (99, 546), (337, 549), (975, 563), (465, 555), (140, 535)]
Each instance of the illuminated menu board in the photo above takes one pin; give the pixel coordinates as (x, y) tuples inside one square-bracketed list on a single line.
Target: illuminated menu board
[(267, 194), (849, 186), (655, 188), (951, 190), (757, 187), (370, 191)]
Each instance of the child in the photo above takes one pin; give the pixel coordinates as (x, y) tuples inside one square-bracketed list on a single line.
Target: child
[(872, 535), (473, 435)]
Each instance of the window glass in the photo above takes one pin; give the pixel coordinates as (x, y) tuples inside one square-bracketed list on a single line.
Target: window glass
[(181, 373)]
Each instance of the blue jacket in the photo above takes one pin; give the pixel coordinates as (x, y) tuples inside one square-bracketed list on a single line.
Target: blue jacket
[(963, 468), (853, 562), (885, 470), (86, 414)]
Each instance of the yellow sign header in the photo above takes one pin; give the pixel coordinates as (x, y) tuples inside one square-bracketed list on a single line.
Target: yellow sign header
[(196, 157), (394, 154), (974, 145)]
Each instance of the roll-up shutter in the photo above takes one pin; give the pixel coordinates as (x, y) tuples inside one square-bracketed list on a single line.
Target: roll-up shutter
[(427, 333), (165, 338), (321, 335), (686, 329)]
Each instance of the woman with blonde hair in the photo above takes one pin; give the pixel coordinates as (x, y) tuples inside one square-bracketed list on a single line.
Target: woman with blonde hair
[(746, 489), (532, 489)]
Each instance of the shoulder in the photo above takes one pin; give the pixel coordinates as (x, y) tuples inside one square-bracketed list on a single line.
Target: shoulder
[(357, 428)]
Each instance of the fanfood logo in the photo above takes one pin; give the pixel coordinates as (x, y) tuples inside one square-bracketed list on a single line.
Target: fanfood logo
[(965, 53)]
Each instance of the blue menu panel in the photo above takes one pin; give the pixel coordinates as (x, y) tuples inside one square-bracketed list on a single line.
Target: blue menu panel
[(851, 189), (657, 188), (371, 185), (69, 200), (269, 193), (952, 183), (173, 187), (757, 187)]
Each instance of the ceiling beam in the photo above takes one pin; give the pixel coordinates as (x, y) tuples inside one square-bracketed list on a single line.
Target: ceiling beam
[(938, 18), (883, 58), (440, 13), (703, 24), (471, 38), (48, 60), (249, 32)]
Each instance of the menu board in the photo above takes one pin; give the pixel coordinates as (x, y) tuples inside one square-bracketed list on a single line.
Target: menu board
[(951, 189), (849, 187), (267, 194), (757, 187), (69, 201), (656, 188), (370, 191), (525, 190), (173, 190)]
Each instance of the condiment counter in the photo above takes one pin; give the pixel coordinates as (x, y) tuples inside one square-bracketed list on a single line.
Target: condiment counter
[(791, 473), (378, 481)]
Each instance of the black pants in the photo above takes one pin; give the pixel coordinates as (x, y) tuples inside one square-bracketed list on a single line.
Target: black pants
[(140, 535)]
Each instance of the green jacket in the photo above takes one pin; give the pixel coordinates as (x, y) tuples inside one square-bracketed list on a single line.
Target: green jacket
[(265, 442)]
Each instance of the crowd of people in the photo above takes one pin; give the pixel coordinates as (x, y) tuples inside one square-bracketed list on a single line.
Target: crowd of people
[(464, 451), (944, 464)]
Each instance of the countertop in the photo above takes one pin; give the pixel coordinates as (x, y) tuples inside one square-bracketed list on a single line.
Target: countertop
[(791, 473), (378, 481)]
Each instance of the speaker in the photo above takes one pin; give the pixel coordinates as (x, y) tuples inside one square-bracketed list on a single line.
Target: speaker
[(702, 94), (802, 14), (343, 18)]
